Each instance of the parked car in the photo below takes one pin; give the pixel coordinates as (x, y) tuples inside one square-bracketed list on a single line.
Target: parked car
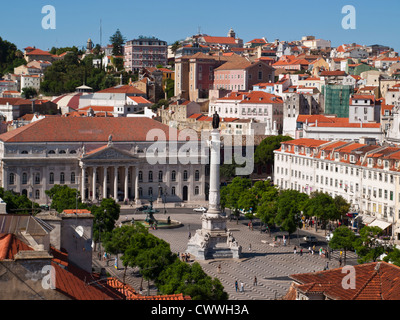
[(310, 239), (142, 208), (200, 209)]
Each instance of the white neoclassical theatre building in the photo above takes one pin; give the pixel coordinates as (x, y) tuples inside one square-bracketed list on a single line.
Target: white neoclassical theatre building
[(102, 157)]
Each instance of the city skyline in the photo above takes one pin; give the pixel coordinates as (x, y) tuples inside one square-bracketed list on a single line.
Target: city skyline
[(76, 22)]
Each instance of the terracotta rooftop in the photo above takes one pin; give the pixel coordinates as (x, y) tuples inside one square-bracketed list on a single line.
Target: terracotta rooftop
[(127, 89), (10, 245), (374, 281), (85, 129)]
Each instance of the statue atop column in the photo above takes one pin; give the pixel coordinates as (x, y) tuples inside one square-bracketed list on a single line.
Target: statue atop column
[(215, 121)]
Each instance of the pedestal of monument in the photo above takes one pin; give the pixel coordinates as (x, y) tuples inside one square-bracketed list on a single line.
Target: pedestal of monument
[(213, 240)]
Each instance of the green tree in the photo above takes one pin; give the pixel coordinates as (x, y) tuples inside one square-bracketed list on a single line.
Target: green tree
[(18, 204), (268, 207), (117, 40), (10, 57), (322, 206), (170, 88), (393, 256), (232, 194), (105, 217), (29, 92), (63, 197), (120, 239), (343, 239), (290, 203), (368, 246), (191, 280), (264, 153), (175, 46), (342, 205)]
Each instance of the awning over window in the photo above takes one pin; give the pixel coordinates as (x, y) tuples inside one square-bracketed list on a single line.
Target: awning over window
[(367, 219), (380, 223)]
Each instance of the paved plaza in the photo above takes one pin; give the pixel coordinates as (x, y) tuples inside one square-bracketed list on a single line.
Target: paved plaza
[(270, 264)]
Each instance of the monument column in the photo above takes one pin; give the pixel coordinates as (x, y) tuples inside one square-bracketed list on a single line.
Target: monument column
[(214, 200), (214, 240)]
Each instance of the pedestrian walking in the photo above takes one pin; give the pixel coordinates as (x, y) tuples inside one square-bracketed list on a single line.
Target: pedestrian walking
[(190, 235), (327, 266), (219, 268), (340, 261), (241, 286), (255, 281), (309, 250), (236, 286), (295, 250), (249, 246), (301, 252)]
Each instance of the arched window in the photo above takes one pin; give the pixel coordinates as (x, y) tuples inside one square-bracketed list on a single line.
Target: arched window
[(197, 175), (72, 152), (72, 177), (160, 176), (11, 179), (52, 152), (24, 152), (62, 178), (173, 175), (140, 176), (62, 152), (185, 175), (173, 191), (150, 176), (24, 178), (51, 178)]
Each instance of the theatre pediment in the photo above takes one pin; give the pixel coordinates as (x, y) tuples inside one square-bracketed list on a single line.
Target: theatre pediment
[(108, 153)]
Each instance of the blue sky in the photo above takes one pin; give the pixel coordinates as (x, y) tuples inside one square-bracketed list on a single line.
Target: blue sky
[(170, 20)]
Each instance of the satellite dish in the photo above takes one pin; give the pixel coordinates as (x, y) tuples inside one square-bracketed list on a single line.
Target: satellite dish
[(79, 230)]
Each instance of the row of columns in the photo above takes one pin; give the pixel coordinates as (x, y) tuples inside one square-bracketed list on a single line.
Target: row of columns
[(115, 182)]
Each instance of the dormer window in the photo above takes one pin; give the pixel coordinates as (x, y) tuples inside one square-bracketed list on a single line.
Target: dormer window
[(370, 162), (323, 154), (352, 159), (386, 164), (336, 155)]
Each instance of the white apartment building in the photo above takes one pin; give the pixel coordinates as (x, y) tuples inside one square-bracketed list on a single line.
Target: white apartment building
[(368, 176), (30, 81), (257, 105)]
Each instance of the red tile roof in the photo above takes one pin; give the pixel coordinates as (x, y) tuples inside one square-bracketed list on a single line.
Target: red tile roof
[(10, 245), (127, 89), (332, 73), (261, 97), (221, 40), (38, 52), (374, 281), (85, 129)]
